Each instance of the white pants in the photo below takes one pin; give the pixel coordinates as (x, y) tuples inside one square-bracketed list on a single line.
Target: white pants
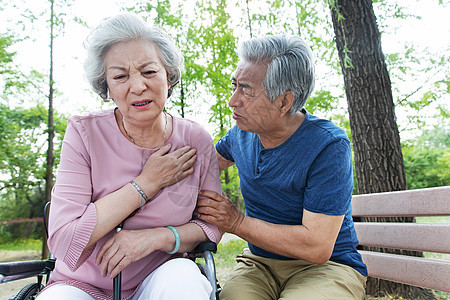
[(178, 278)]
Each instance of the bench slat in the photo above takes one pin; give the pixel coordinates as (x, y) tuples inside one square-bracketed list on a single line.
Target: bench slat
[(406, 236), (403, 203), (428, 273)]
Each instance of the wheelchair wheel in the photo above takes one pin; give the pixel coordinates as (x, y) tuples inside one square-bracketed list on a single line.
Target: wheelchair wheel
[(29, 292)]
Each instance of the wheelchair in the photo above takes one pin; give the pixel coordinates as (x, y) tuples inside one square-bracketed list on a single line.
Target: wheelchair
[(10, 271)]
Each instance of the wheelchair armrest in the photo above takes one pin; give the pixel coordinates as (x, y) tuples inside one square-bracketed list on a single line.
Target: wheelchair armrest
[(203, 246), (19, 267), (11, 271)]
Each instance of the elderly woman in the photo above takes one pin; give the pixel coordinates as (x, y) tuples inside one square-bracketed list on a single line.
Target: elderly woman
[(136, 165)]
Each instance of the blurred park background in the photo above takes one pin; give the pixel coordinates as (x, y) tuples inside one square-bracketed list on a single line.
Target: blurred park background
[(42, 84)]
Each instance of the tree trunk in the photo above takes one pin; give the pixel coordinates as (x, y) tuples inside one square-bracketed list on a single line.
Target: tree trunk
[(249, 20), (182, 99), (376, 142), (51, 132)]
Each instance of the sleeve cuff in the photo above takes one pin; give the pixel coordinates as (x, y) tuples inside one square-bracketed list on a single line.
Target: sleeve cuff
[(212, 232), (77, 254)]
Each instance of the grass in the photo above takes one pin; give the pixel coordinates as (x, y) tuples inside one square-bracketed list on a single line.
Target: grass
[(226, 253), (225, 258), (27, 244), (442, 219)]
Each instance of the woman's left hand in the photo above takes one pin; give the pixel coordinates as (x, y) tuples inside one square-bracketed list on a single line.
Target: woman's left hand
[(124, 248)]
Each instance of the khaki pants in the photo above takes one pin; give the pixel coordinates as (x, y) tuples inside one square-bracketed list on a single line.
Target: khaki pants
[(259, 278)]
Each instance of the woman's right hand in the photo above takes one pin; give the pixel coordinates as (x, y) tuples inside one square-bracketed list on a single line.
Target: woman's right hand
[(163, 169), (128, 246)]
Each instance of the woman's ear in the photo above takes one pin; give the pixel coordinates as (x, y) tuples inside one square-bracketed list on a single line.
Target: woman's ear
[(171, 86), (108, 97), (169, 91)]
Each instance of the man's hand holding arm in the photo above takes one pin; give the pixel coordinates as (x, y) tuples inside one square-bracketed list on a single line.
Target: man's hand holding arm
[(312, 241)]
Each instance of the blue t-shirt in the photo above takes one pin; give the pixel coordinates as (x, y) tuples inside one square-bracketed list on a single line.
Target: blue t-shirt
[(312, 170)]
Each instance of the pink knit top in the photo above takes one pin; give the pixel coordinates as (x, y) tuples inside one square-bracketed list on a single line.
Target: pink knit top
[(96, 159)]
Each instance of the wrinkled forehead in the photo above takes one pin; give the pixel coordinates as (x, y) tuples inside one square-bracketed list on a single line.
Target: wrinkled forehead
[(135, 52), (249, 71)]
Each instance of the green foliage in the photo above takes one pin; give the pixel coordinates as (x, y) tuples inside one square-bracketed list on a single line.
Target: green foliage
[(219, 48), (427, 159), (22, 160), (19, 154), (5, 56), (433, 219), (231, 186), (226, 253), (207, 35), (420, 82), (209, 49), (225, 258), (335, 8), (5, 235), (173, 21), (424, 167), (20, 230), (23, 244), (13, 81), (322, 101)]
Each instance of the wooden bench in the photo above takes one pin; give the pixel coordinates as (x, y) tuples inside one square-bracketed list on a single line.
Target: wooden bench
[(428, 273)]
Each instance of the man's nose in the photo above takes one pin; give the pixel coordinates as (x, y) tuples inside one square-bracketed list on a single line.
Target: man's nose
[(234, 99)]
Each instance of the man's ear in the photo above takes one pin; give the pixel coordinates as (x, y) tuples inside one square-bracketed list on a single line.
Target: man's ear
[(287, 99)]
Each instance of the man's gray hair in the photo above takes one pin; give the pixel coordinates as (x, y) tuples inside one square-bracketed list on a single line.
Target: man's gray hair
[(122, 28), (290, 66)]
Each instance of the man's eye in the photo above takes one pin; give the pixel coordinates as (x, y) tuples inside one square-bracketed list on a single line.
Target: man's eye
[(233, 86)]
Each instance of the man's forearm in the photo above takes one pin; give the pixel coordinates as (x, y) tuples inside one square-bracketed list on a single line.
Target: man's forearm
[(294, 241)]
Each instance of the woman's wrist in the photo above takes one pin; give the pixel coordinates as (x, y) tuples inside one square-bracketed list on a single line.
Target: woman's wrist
[(177, 244), (142, 199), (148, 188), (165, 238)]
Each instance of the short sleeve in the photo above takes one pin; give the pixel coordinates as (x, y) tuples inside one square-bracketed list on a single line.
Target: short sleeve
[(225, 144), (330, 180)]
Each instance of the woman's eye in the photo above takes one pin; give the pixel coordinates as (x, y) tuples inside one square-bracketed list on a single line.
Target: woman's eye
[(149, 72), (117, 77)]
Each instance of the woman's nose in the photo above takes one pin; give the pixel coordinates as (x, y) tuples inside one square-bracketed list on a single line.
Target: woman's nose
[(137, 84)]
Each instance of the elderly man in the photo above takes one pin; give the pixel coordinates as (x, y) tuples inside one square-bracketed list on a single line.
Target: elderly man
[(296, 179)]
